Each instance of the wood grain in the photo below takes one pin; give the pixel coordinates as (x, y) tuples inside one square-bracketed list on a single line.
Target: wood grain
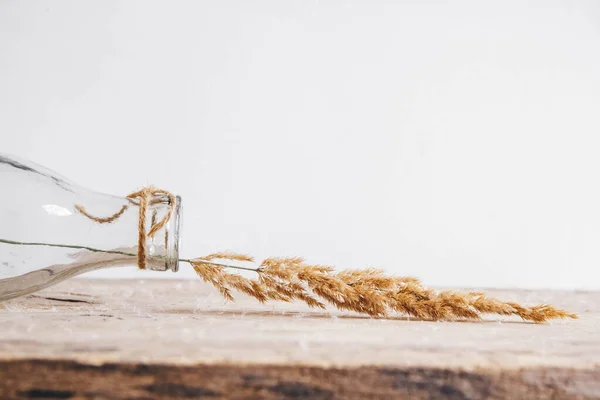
[(155, 339)]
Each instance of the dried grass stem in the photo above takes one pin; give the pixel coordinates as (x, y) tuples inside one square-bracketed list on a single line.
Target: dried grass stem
[(367, 291)]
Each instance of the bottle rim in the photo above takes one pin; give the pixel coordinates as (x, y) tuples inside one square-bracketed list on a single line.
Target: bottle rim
[(174, 235)]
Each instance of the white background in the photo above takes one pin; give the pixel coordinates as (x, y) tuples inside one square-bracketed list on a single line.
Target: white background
[(458, 142)]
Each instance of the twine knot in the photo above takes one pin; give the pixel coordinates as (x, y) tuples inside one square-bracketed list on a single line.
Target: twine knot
[(143, 198)]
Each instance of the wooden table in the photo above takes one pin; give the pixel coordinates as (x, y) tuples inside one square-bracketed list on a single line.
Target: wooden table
[(155, 339)]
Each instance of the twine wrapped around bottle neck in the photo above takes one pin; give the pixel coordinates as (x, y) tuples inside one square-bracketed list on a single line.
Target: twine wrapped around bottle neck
[(143, 198)]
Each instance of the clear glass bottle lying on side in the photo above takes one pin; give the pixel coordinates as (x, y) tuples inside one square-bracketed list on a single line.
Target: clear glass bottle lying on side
[(45, 238)]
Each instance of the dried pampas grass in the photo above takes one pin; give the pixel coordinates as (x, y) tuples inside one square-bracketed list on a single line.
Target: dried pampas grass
[(367, 291)]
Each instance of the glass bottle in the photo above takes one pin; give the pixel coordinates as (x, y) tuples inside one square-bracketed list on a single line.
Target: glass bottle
[(45, 239)]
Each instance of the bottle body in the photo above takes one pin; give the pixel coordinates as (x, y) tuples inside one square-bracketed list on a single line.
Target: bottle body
[(44, 238)]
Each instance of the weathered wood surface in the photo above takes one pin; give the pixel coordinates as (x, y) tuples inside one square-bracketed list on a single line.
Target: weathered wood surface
[(101, 339)]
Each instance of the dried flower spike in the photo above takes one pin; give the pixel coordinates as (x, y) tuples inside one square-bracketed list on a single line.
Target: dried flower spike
[(367, 291)]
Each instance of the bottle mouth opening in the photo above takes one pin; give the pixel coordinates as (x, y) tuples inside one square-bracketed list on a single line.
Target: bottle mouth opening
[(174, 237)]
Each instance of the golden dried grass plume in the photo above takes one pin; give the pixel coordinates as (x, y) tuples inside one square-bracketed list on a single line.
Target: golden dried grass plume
[(367, 291)]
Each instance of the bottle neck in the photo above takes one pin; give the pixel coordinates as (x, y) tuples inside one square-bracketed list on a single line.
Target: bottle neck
[(44, 224), (157, 237)]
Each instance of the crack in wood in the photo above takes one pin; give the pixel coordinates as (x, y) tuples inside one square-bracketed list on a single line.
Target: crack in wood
[(65, 300)]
